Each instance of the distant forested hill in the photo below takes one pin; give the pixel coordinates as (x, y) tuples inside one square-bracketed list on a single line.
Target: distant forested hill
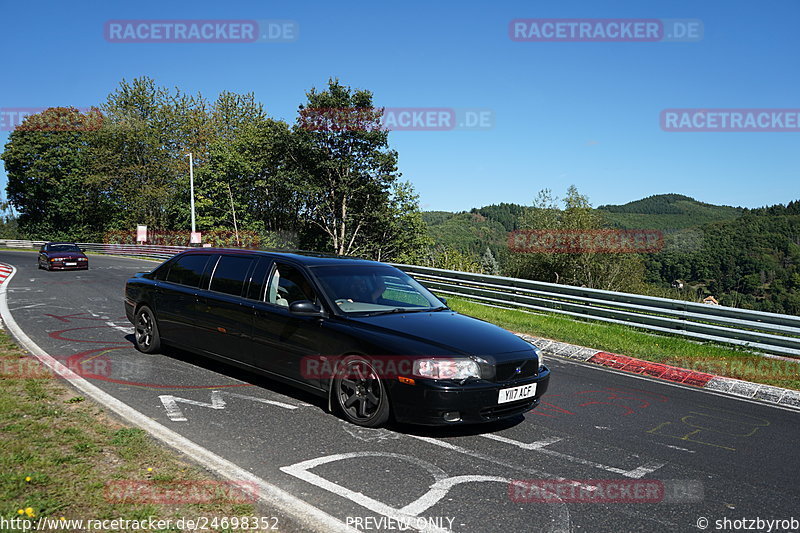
[(666, 212), (744, 257), (470, 233)]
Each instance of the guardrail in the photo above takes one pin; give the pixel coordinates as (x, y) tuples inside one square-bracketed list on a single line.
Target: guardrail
[(765, 332), (769, 333)]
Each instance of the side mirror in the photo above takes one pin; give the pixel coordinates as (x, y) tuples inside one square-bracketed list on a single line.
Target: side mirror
[(442, 299), (305, 308), (83, 250)]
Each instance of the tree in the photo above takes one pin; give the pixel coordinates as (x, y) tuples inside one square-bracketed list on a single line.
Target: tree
[(46, 158), (140, 157), (609, 271), (397, 232), (489, 264), (345, 163)]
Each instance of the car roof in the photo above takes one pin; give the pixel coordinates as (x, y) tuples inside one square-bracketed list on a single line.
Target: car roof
[(59, 242), (306, 258)]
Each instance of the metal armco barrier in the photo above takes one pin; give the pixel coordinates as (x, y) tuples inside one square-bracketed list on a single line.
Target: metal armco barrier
[(765, 332), (769, 333)]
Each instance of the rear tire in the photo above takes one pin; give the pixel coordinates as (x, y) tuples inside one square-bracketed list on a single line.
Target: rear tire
[(146, 331), (360, 394)]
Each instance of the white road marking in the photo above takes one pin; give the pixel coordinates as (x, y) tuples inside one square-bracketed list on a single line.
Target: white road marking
[(678, 448), (369, 434), (174, 412), (495, 460), (123, 329), (261, 400), (540, 446), (310, 518), (559, 523), (29, 306)]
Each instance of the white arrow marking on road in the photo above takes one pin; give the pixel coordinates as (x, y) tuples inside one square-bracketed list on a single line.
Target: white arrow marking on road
[(539, 446), (175, 414), (262, 400)]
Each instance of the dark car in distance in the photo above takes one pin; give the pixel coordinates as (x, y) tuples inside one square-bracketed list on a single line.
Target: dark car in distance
[(62, 256), (363, 334)]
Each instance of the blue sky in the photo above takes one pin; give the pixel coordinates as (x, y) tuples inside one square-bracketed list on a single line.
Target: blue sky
[(583, 113)]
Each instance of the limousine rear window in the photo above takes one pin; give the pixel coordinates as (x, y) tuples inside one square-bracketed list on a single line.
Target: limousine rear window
[(160, 273), (230, 274), (188, 270)]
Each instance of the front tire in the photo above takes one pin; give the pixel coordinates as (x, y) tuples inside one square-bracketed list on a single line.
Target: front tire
[(360, 394), (146, 331)]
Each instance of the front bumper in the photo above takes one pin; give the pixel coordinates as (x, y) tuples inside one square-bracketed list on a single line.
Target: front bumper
[(427, 401), (130, 307), (84, 265)]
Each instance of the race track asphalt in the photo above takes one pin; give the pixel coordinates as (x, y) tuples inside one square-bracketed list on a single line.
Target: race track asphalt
[(716, 456)]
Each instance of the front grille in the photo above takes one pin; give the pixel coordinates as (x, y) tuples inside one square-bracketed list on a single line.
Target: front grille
[(508, 371)]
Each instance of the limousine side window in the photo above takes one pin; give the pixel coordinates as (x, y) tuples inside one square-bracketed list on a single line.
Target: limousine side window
[(188, 270), (288, 285), (230, 274), (258, 279)]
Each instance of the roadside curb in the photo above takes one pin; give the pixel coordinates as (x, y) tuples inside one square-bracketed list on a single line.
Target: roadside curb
[(730, 386), (5, 272), (305, 517)]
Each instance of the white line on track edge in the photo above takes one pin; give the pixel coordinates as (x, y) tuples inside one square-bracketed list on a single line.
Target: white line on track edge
[(305, 514)]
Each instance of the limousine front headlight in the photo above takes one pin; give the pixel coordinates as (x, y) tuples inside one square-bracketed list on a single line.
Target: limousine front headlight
[(446, 368), (539, 355)]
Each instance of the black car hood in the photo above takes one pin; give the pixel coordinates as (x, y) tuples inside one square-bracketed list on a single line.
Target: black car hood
[(459, 333)]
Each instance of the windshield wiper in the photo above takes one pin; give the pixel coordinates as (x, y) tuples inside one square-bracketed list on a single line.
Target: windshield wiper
[(404, 310), (388, 311)]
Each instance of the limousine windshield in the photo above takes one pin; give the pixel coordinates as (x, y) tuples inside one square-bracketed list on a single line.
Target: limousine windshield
[(375, 290)]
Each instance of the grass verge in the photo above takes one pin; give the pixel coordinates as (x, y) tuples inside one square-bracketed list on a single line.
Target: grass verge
[(704, 357), (62, 456)]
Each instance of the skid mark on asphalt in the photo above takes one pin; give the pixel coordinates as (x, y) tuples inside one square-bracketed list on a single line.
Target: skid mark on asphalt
[(711, 426), (125, 367), (622, 401)]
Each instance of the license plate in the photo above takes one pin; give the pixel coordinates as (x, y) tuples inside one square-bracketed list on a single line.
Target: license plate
[(517, 393), (71, 264)]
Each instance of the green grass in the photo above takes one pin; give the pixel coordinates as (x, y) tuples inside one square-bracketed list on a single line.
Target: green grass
[(59, 450), (706, 357)]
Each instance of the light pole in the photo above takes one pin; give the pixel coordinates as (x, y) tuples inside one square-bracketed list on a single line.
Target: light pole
[(191, 195)]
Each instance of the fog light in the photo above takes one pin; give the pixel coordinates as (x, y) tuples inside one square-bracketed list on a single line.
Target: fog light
[(452, 416)]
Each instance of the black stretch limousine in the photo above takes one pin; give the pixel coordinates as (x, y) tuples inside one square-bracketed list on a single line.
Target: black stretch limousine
[(363, 334)]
